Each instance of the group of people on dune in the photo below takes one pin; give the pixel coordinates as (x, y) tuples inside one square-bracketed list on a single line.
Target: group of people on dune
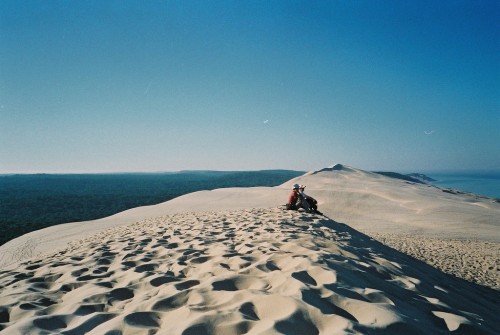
[(298, 199)]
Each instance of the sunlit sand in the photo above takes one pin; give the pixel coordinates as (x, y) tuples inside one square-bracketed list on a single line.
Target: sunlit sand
[(232, 261)]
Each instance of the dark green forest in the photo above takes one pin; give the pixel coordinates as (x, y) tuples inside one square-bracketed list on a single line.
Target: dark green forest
[(31, 202)]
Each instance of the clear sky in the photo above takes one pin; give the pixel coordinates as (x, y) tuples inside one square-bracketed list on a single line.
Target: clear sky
[(111, 86)]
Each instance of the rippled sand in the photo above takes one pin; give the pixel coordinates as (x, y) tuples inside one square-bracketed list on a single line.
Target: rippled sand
[(255, 271)]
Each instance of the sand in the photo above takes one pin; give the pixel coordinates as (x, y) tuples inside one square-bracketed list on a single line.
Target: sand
[(231, 261), (475, 261), (255, 271)]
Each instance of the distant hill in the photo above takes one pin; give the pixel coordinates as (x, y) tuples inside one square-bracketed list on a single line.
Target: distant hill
[(421, 177), (413, 177)]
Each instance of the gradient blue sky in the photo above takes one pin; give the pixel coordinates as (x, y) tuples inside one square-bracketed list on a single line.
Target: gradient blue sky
[(101, 86)]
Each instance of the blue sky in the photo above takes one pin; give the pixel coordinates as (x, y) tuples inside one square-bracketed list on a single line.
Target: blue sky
[(111, 86)]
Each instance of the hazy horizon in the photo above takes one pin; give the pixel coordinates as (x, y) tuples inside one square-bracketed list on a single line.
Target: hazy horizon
[(471, 172), (129, 86)]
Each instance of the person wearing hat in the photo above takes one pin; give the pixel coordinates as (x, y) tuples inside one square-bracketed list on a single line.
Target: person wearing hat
[(304, 197), (295, 198)]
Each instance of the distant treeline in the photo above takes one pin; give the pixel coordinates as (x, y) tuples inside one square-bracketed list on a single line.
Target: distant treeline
[(408, 177), (31, 202)]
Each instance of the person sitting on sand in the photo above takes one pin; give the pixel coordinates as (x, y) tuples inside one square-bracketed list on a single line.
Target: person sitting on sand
[(308, 203), (295, 198)]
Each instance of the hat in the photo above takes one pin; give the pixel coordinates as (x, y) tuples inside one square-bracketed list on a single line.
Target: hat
[(296, 186)]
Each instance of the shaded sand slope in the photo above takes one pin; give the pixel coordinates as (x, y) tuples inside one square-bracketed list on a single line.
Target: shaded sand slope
[(476, 261), (254, 271)]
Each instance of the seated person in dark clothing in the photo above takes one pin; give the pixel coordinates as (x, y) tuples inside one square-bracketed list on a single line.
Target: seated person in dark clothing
[(308, 203)]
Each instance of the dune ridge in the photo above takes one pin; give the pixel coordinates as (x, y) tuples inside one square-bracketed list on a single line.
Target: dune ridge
[(231, 261), (368, 202), (253, 271)]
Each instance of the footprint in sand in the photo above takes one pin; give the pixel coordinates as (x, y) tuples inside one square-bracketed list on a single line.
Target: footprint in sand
[(143, 320), (4, 315), (86, 309), (146, 267), (248, 311), (50, 323), (158, 281), (304, 277), (120, 294), (172, 302), (186, 284), (90, 323), (297, 323), (128, 264), (268, 267)]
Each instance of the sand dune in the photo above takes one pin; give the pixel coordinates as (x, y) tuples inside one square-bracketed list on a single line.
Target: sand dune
[(230, 261), (254, 271), (366, 201), (374, 203)]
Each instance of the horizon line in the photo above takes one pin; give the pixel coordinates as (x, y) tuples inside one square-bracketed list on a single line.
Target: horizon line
[(402, 171)]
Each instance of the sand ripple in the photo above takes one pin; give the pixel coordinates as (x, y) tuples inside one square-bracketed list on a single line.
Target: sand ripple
[(258, 271)]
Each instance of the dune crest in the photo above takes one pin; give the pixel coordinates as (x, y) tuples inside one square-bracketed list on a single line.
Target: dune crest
[(253, 271), (335, 167)]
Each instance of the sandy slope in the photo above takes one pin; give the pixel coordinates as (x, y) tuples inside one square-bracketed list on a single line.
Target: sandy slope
[(473, 260), (374, 203), (254, 271), (229, 261), (56, 237), (366, 201)]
